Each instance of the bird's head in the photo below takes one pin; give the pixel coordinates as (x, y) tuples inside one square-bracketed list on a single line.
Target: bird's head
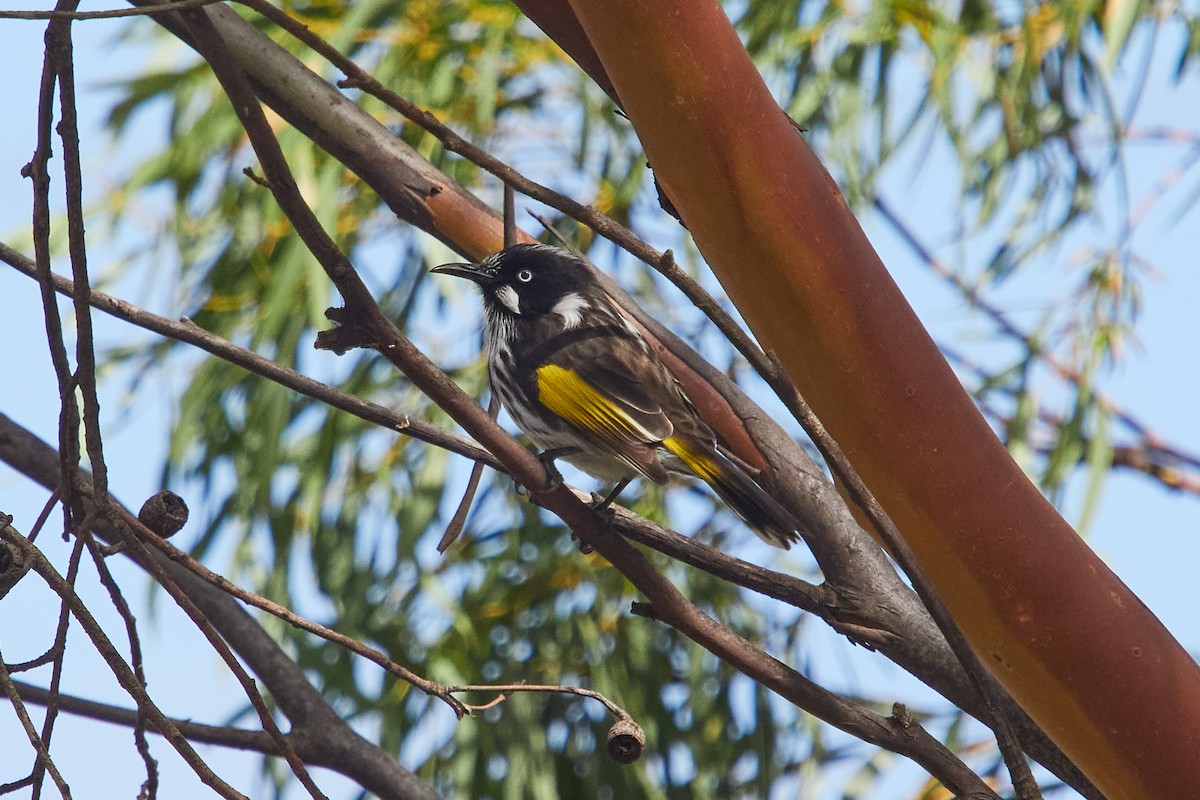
[(529, 280)]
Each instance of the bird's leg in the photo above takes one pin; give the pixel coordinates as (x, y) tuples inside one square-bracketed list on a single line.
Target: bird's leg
[(602, 507), (612, 495)]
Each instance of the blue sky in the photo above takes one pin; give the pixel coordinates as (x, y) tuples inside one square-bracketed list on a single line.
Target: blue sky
[(1149, 536)]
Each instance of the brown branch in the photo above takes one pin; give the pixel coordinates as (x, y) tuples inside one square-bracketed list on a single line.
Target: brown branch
[(58, 651), (37, 170), (57, 68), (60, 53), (322, 736), (1000, 319)]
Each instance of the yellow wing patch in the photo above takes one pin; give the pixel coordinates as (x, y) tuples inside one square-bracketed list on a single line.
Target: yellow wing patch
[(700, 463), (569, 396)]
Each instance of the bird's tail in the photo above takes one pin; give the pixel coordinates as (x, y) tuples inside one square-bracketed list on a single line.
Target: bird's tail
[(765, 516)]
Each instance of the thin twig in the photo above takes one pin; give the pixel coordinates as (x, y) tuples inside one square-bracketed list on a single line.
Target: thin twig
[(160, 8), (458, 521), (150, 786), (178, 556), (188, 332), (38, 171), (59, 651), (60, 51), (502, 688), (40, 744), (44, 514)]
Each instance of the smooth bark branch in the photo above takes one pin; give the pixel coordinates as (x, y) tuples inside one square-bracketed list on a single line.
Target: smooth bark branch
[(1073, 645), (1153, 455)]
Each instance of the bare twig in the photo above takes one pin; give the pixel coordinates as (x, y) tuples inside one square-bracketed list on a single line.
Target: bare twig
[(60, 53), (188, 332), (58, 652), (44, 514), (501, 688), (160, 8), (39, 743), (458, 521), (150, 786), (38, 171)]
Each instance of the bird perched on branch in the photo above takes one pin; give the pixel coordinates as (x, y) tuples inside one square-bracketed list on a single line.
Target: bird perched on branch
[(582, 382)]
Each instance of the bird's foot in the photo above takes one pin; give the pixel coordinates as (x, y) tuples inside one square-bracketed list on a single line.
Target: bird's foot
[(584, 547), (554, 478)]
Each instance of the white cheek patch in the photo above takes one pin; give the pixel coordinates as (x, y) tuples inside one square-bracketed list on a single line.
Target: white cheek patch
[(509, 298), (571, 309)]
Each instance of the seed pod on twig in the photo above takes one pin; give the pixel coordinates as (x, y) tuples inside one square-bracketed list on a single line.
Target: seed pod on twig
[(626, 741), (165, 513)]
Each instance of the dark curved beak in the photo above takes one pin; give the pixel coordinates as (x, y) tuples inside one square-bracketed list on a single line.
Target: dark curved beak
[(471, 272)]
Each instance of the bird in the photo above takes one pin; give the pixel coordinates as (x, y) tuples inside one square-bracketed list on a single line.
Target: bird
[(582, 382)]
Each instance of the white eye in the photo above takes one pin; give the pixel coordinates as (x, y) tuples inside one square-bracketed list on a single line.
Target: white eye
[(524, 276)]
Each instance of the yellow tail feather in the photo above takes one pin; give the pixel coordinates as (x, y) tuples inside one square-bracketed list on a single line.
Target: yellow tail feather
[(705, 467)]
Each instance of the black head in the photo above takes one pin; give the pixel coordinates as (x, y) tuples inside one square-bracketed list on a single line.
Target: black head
[(526, 280)]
